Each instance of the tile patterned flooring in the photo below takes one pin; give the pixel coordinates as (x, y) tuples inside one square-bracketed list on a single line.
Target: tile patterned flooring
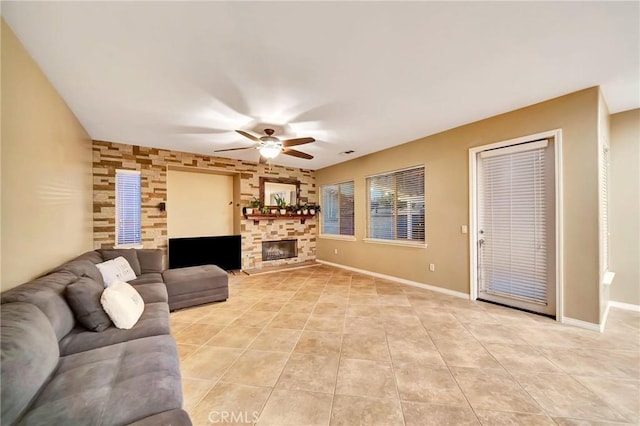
[(324, 346)]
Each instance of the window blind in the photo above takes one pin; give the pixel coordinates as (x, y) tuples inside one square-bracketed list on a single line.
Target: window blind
[(337, 209), (128, 207), (604, 206), (512, 222), (396, 205)]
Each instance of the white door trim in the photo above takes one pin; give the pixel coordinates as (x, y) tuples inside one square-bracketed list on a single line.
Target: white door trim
[(473, 203)]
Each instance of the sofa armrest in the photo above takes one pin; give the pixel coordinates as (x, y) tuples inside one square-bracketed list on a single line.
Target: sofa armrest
[(151, 260)]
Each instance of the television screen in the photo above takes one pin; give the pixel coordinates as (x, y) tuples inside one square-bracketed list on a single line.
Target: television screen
[(225, 252)]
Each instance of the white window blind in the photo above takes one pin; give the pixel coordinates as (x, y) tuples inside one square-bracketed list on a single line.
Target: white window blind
[(396, 205), (604, 206), (337, 209), (128, 207), (512, 222)]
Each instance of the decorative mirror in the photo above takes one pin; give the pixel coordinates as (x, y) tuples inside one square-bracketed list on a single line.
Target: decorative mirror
[(289, 189)]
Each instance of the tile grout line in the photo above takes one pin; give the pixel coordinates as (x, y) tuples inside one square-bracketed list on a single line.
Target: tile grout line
[(393, 372), (261, 291), (549, 415), (335, 384), (290, 353), (451, 372), (219, 379), (560, 372)]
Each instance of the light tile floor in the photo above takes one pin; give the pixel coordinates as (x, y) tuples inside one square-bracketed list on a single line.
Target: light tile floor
[(320, 346)]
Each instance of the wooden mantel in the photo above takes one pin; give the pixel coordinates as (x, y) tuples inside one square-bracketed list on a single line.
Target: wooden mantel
[(257, 217)]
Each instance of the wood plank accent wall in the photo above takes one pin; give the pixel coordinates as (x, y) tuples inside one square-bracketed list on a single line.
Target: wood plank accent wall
[(153, 164)]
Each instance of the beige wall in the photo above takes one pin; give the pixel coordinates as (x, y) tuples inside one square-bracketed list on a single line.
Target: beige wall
[(445, 156), (625, 206), (199, 204), (46, 171)]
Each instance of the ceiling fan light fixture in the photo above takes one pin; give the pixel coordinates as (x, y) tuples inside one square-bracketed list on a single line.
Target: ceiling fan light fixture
[(270, 146), (269, 151)]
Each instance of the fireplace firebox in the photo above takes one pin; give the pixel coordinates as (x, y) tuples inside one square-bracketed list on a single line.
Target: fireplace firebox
[(281, 249)]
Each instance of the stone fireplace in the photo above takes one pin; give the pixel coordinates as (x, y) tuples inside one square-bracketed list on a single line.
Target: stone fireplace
[(281, 249)]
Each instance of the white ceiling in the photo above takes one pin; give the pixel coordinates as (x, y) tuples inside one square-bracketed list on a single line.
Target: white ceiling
[(361, 76)]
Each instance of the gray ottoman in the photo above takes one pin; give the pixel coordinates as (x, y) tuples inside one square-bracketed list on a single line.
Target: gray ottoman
[(195, 285)]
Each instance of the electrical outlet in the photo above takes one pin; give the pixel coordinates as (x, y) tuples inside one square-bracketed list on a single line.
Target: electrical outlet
[(463, 229), (432, 267), (335, 251)]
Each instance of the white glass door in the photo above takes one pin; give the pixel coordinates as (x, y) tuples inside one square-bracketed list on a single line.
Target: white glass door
[(516, 241)]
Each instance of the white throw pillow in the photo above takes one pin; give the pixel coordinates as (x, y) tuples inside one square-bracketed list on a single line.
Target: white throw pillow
[(117, 269), (123, 304)]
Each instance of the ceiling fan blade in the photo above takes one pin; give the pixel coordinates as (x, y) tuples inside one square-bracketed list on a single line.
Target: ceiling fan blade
[(297, 141), (248, 135), (262, 160), (298, 154), (232, 149)]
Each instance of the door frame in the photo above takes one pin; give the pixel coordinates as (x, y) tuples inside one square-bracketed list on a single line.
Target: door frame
[(473, 204)]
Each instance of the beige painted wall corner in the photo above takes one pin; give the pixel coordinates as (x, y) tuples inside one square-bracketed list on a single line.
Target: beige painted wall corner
[(46, 171)]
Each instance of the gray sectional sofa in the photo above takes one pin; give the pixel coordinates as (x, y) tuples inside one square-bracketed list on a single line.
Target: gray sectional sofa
[(54, 371)]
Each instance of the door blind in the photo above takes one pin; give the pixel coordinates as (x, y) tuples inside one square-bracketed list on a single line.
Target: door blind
[(604, 202), (396, 205), (128, 207), (513, 222)]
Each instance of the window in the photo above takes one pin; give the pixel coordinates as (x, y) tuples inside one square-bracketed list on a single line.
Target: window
[(396, 206), (337, 209), (128, 208), (604, 206)]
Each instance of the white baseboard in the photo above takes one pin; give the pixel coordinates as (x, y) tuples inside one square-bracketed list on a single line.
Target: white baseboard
[(625, 306), (398, 280), (605, 317), (582, 324), (600, 327)]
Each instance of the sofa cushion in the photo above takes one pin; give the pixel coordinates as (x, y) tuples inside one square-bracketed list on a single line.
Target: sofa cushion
[(117, 269), (123, 304), (29, 355), (47, 293), (130, 254), (194, 278), (152, 292), (113, 385), (92, 256), (150, 260), (171, 417), (81, 268), (149, 277), (153, 322), (84, 298), (186, 300)]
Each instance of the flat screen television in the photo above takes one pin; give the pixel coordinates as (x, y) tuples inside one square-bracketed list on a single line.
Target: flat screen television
[(224, 251)]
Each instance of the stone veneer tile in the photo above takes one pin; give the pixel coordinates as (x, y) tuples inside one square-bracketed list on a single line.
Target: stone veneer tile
[(152, 164)]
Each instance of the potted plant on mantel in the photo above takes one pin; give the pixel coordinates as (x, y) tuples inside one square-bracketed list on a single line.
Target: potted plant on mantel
[(314, 209), (253, 205), (282, 203), (305, 209)]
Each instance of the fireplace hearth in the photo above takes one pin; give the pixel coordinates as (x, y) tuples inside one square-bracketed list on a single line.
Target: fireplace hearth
[(281, 249)]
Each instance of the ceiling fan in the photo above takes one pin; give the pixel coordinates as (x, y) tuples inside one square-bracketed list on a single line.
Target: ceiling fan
[(270, 146)]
